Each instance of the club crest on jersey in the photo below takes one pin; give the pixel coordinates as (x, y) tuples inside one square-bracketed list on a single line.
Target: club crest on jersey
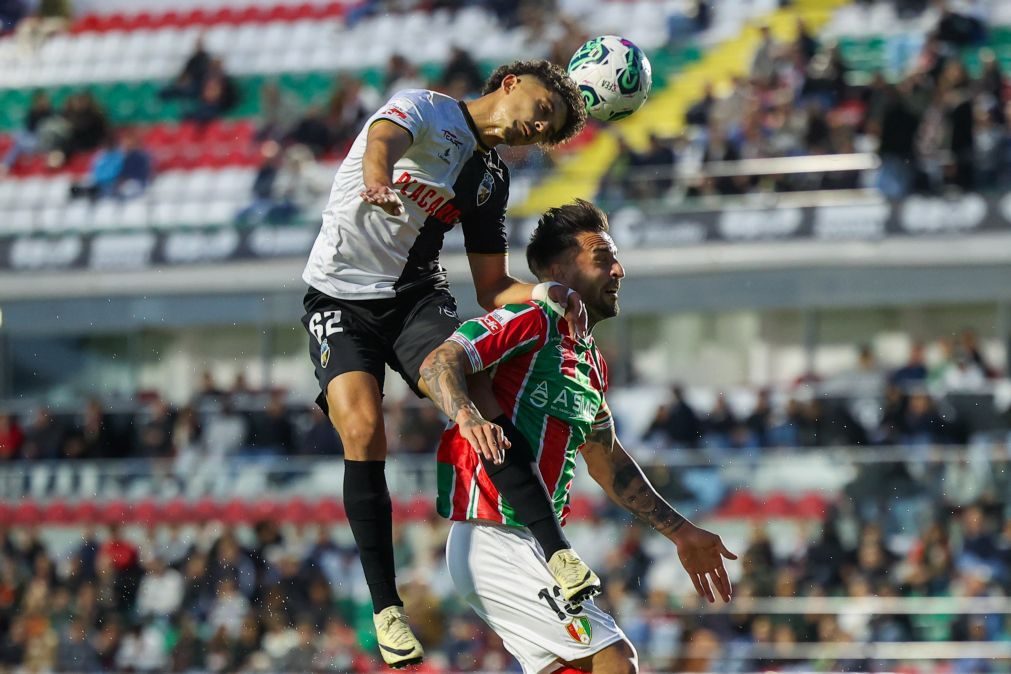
[(485, 189), (580, 630), (324, 353)]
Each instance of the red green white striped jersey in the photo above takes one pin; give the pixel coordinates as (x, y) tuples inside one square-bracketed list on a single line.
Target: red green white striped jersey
[(553, 389)]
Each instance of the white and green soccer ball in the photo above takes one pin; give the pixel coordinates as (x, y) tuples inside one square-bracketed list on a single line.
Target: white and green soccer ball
[(613, 75)]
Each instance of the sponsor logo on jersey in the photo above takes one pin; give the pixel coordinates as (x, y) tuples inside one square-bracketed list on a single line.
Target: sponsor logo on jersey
[(490, 323), (452, 138), (485, 189), (394, 111), (444, 155), (580, 630), (324, 353), (448, 310), (564, 402), (433, 201)]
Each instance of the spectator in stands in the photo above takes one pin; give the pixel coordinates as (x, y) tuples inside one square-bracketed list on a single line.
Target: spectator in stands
[(121, 169), (48, 18), (11, 13), (96, 430), (225, 432), (277, 110), (287, 184), (273, 432), (320, 439), (922, 425), (346, 111), (217, 95), (312, 131), (866, 380), (43, 131), (688, 20), (955, 371), (676, 423), (763, 62), (653, 169), (43, 437), (914, 372), (154, 437), (75, 652), (190, 81), (11, 436), (719, 424), (699, 112), (88, 127), (401, 74), (160, 591), (462, 70)]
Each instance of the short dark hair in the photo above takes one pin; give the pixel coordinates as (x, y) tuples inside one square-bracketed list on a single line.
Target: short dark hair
[(557, 230), (557, 80)]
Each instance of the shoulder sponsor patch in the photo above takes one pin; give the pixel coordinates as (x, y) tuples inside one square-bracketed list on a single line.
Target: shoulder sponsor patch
[(490, 323), (394, 111), (485, 189)]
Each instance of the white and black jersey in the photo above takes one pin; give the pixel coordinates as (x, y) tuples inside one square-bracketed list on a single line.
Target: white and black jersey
[(446, 177)]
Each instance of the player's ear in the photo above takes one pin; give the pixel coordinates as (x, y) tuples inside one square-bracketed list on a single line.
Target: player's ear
[(509, 82)]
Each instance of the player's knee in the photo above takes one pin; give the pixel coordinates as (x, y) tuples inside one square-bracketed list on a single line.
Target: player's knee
[(361, 431)]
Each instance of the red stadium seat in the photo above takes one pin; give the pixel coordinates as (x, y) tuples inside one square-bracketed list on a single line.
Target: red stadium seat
[(811, 505), (116, 511), (296, 511), (26, 512), (778, 504), (176, 511), (86, 512), (147, 512), (329, 510), (581, 508), (57, 513), (205, 510), (740, 504)]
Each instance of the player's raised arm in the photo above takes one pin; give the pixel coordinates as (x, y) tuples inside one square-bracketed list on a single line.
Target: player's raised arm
[(701, 552), (386, 143), (496, 288)]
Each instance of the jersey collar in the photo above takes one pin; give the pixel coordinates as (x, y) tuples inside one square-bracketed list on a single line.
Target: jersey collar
[(473, 127)]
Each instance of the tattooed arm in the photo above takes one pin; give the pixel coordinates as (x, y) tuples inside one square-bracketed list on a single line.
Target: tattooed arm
[(444, 379), (701, 552)]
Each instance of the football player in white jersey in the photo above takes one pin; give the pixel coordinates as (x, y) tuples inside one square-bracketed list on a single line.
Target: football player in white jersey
[(423, 164)]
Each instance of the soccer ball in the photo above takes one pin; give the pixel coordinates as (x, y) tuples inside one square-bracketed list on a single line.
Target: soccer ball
[(613, 75)]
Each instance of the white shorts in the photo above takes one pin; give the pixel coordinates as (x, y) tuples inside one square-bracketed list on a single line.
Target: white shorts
[(502, 574)]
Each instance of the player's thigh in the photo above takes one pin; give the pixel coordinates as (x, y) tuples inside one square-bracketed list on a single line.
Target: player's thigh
[(618, 658), (355, 404), (428, 324), (501, 573), (349, 361)]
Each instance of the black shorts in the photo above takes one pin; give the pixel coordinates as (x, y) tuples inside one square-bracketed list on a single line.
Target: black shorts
[(367, 335)]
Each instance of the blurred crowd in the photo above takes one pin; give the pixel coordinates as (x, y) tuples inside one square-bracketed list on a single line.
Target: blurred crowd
[(944, 399), (285, 598), (936, 127), (920, 403)]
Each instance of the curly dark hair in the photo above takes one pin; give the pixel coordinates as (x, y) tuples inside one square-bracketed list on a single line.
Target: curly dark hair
[(557, 80)]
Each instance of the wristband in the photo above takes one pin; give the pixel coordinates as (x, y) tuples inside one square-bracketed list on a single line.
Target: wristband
[(540, 291)]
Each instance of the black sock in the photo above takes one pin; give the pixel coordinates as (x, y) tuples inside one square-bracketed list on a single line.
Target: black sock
[(370, 514), (519, 481)]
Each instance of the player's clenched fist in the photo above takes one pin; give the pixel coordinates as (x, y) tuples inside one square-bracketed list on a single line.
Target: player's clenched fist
[(486, 438), (384, 197)]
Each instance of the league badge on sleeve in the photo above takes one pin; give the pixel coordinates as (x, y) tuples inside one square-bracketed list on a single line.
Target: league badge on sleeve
[(324, 353), (485, 189), (580, 630)]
